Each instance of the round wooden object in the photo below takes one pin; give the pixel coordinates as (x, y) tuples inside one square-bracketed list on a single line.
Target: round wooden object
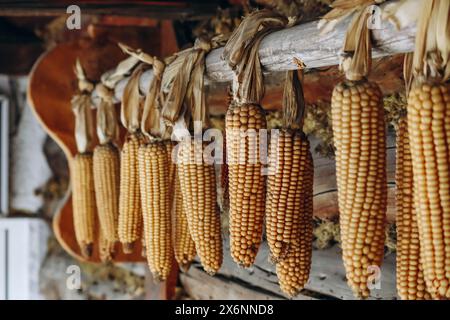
[(51, 87)]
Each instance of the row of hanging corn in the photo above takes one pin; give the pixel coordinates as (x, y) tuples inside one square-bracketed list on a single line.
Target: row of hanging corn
[(172, 207)]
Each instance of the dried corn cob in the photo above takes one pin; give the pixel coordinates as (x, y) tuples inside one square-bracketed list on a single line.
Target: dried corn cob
[(83, 200), (286, 188), (293, 271), (155, 196), (130, 212), (106, 181), (106, 248), (183, 244), (429, 129), (198, 188), (246, 181), (359, 137), (410, 280)]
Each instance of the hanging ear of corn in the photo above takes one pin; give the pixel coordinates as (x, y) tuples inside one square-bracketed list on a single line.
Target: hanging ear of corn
[(293, 271), (154, 176), (246, 182), (106, 166), (243, 123), (81, 171), (198, 189), (106, 181), (289, 194), (429, 132), (359, 137), (410, 279), (155, 196), (183, 244), (130, 210), (106, 248), (185, 106), (83, 201)]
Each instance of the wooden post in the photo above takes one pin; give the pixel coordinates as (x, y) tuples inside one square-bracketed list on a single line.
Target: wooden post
[(164, 290)]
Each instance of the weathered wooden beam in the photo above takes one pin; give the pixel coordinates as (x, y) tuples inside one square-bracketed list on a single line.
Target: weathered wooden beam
[(172, 9), (280, 50)]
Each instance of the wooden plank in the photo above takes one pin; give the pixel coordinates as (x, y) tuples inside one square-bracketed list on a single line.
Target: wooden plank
[(304, 42), (201, 286), (327, 279), (172, 9)]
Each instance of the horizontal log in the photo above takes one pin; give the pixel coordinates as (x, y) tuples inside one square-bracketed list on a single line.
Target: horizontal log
[(280, 50)]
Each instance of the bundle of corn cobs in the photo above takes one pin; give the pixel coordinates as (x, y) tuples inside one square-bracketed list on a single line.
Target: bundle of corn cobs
[(161, 196)]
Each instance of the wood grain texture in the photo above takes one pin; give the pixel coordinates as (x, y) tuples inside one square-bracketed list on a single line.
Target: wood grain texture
[(327, 279), (280, 50)]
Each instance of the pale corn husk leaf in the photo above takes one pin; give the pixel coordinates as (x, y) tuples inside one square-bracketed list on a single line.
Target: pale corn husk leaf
[(81, 107), (175, 82), (241, 53), (293, 101), (183, 86), (84, 125), (341, 10), (408, 72), (137, 53), (244, 34), (131, 109), (357, 48), (124, 68), (432, 50), (107, 122), (443, 35), (84, 85), (402, 13), (421, 38), (151, 123)]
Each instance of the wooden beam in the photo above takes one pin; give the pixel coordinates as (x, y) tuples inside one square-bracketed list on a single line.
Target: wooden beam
[(168, 9), (280, 50)]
